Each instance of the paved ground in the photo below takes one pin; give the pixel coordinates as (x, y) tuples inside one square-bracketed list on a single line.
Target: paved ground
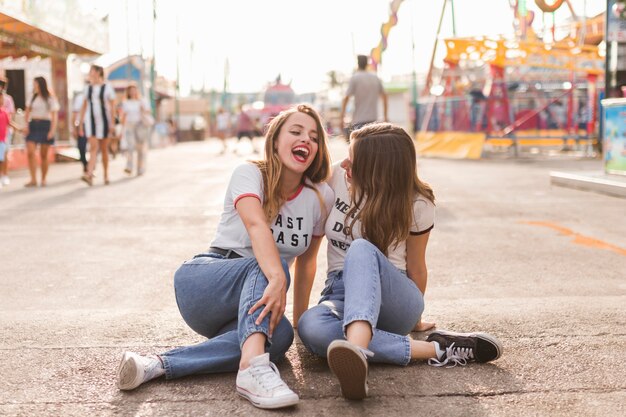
[(86, 273)]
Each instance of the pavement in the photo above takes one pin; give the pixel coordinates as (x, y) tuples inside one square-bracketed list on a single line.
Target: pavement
[(86, 274)]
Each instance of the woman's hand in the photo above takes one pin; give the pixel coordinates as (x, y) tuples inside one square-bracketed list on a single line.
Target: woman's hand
[(275, 300), (81, 130), (25, 130), (50, 134), (423, 326)]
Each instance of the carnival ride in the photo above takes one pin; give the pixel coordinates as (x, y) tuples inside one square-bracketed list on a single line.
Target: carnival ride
[(535, 88)]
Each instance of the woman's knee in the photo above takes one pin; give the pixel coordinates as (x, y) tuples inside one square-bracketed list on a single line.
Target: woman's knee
[(361, 245), (311, 332)]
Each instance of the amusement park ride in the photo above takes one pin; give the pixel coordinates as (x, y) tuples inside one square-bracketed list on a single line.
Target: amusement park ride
[(534, 88)]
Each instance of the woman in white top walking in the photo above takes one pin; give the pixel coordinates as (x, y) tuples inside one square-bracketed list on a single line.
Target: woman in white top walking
[(97, 112), (42, 115), (134, 112)]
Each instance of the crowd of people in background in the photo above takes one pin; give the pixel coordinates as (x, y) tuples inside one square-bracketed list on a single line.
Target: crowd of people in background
[(101, 126)]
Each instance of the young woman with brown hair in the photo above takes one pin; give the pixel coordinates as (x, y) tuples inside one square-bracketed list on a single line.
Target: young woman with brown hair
[(235, 293), (42, 115), (377, 234)]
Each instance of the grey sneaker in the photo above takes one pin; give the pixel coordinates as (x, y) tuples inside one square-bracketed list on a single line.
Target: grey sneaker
[(135, 369), (349, 364), (461, 348), (261, 384)]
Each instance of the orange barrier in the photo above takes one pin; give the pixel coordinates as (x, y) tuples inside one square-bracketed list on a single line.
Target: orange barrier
[(18, 158), (454, 145)]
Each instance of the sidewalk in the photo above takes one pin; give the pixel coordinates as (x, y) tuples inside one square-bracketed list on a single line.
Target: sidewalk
[(87, 273), (596, 181)]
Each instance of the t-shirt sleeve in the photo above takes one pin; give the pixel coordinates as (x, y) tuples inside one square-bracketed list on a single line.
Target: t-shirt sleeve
[(9, 104), (54, 104), (424, 215), (109, 93), (351, 86), (329, 197), (246, 181), (78, 102)]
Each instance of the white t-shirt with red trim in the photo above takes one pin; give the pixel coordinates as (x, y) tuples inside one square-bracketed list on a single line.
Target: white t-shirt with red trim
[(299, 220), (339, 239)]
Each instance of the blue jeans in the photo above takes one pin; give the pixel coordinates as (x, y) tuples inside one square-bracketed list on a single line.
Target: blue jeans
[(214, 295), (372, 289)]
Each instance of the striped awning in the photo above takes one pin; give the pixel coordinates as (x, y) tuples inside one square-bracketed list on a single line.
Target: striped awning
[(18, 39)]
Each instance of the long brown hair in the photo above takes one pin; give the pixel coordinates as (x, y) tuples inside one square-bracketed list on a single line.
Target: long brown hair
[(271, 167), (384, 184), (45, 92)]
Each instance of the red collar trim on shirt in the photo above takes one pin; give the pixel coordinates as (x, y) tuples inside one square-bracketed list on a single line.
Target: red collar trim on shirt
[(297, 193)]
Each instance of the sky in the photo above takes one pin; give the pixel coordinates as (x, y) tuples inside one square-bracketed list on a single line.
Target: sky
[(302, 40)]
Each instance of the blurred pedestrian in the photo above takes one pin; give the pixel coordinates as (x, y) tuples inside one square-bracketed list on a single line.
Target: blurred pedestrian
[(98, 112), (172, 131), (81, 140), (377, 234), (5, 124), (366, 88), (134, 116), (9, 108), (245, 125), (41, 115), (235, 293), (222, 121)]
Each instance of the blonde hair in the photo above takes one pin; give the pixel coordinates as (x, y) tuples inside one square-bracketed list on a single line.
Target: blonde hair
[(271, 167), (384, 184)]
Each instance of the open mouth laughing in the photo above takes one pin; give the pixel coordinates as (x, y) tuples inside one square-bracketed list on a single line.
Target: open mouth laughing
[(301, 153)]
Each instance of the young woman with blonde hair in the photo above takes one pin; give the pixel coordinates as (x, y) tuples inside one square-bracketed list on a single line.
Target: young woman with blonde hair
[(235, 293), (377, 234)]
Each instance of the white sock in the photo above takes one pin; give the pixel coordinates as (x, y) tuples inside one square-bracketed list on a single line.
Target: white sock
[(438, 351)]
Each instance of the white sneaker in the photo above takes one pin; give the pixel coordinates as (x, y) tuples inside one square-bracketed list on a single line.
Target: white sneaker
[(135, 369), (261, 384), (5, 180)]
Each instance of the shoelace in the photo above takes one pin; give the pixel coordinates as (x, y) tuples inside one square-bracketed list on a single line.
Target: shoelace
[(366, 352), (268, 376), (152, 368), (454, 356)]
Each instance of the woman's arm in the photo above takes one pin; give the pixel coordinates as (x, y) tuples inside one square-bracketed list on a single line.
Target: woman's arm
[(81, 117), (54, 117), (416, 268), (306, 266), (266, 253), (25, 129), (111, 116)]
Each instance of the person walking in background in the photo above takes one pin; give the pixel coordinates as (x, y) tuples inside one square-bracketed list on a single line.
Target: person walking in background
[(222, 121), (81, 141), (134, 111), (41, 115), (172, 131), (235, 293), (98, 113), (245, 126), (5, 124), (9, 108), (377, 234), (366, 88)]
